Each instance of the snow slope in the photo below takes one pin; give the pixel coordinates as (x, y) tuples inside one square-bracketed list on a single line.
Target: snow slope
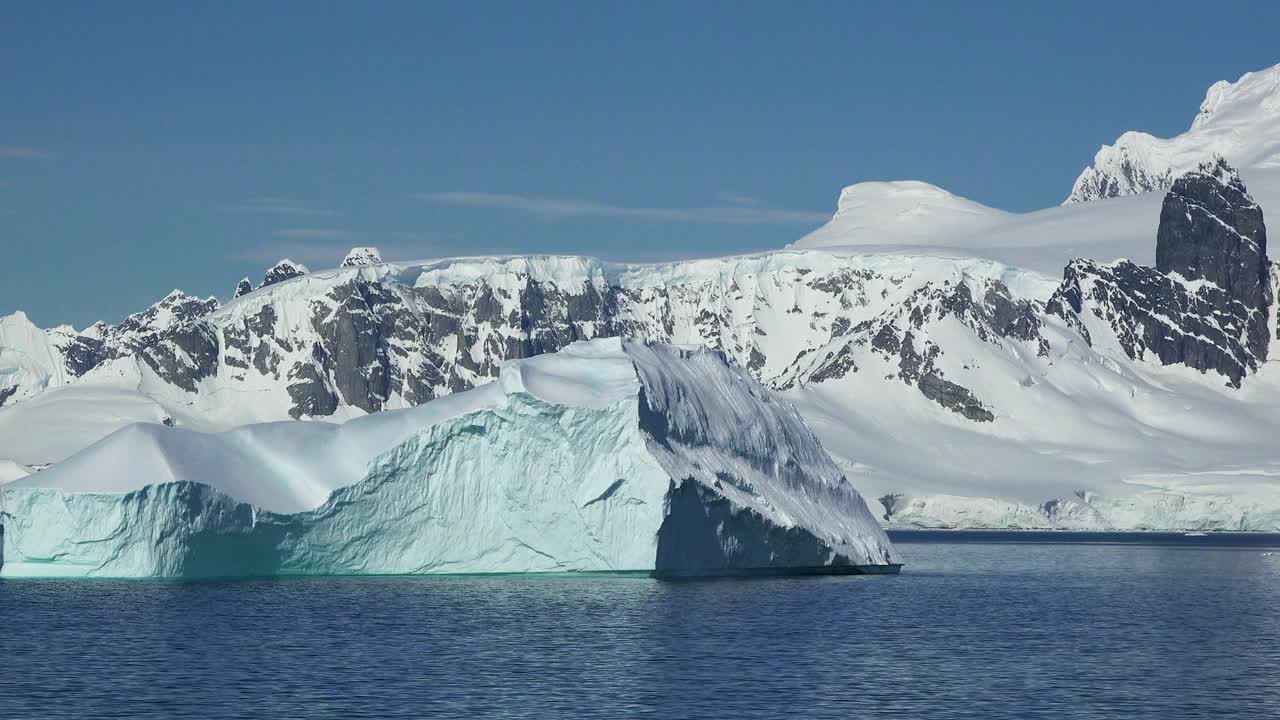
[(1106, 217), (10, 471), (904, 213), (1043, 240), (1239, 121), (30, 358), (1081, 440), (59, 423), (610, 455)]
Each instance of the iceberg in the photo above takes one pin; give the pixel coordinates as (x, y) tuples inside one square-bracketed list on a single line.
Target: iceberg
[(611, 455)]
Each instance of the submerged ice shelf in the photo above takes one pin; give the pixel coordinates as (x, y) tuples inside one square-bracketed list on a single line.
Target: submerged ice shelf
[(610, 455)]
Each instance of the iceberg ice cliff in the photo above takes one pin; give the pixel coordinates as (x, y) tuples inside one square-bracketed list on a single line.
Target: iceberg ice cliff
[(611, 455)]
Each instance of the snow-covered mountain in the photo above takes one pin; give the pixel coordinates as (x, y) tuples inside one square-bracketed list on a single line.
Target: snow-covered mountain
[(342, 343), (1098, 364), (1238, 120), (31, 359), (901, 214), (647, 457), (1043, 240), (961, 391)]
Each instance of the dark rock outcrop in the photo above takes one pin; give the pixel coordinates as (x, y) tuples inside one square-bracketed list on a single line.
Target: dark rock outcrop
[(244, 287), (380, 340), (374, 337), (1206, 304), (82, 354), (171, 337), (1211, 229), (284, 270), (900, 336)]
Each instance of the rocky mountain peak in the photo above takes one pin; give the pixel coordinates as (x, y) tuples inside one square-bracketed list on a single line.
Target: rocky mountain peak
[(244, 287), (96, 331), (286, 269), (1207, 302), (176, 308), (362, 256)]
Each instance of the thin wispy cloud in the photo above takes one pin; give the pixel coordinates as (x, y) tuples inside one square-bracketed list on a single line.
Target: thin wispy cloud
[(739, 199), (311, 233), (555, 208), (20, 152), (269, 205)]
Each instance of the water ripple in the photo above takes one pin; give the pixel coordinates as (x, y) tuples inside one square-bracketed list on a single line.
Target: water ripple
[(969, 630)]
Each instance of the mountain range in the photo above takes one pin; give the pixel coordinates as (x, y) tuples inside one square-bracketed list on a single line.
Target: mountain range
[(1102, 364)]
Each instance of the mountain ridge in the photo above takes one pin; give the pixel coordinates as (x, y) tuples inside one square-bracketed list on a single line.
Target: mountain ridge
[(885, 355), (1238, 120), (1101, 364)]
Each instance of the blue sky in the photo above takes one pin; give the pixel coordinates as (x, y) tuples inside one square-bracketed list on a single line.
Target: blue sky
[(147, 146)]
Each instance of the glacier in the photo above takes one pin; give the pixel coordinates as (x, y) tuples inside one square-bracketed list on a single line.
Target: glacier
[(610, 455)]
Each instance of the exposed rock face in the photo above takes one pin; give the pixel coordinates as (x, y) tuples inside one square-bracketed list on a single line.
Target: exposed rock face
[(902, 336), (1152, 313), (378, 337), (284, 270), (1210, 229), (171, 337), (1207, 303), (362, 256), (378, 343), (244, 287), (83, 353)]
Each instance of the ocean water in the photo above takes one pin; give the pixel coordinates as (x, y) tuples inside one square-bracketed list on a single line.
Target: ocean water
[(976, 626)]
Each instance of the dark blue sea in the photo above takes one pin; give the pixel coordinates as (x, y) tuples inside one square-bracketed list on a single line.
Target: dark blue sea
[(978, 625)]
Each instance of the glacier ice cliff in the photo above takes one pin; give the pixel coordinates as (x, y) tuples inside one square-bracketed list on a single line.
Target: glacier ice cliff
[(611, 455)]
